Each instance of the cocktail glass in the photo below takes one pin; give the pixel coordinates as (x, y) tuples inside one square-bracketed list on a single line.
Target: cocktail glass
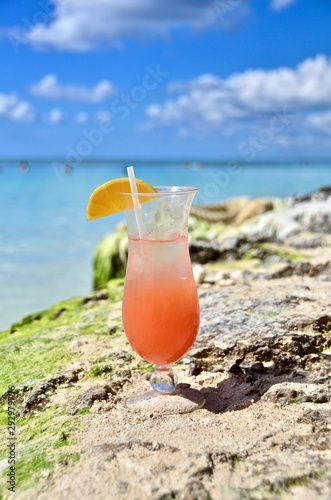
[(160, 308)]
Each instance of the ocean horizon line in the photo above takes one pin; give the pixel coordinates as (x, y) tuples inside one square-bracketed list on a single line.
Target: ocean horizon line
[(170, 161)]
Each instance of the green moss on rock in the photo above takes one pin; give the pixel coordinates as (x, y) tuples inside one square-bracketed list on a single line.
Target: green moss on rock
[(110, 258), (37, 353), (41, 439)]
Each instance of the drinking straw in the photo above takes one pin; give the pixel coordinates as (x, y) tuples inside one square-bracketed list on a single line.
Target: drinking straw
[(136, 204)]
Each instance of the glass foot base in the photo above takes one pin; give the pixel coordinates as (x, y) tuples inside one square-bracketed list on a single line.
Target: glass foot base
[(182, 399)]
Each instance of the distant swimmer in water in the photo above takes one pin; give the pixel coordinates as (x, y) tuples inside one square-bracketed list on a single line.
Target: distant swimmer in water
[(67, 169), (197, 165), (24, 167), (193, 166)]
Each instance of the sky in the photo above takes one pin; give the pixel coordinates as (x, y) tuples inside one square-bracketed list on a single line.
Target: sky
[(188, 79)]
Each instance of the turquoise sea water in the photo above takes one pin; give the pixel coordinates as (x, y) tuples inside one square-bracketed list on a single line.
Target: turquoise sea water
[(46, 245)]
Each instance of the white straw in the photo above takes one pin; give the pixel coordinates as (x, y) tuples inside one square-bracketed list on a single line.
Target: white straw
[(136, 204)]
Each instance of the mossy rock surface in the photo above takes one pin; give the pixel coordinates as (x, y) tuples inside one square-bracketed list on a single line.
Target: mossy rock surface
[(110, 258), (49, 352), (259, 352)]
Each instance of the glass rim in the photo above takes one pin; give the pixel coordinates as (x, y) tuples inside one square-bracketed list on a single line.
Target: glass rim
[(163, 191)]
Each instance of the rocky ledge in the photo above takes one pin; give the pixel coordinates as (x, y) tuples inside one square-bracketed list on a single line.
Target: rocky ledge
[(261, 361)]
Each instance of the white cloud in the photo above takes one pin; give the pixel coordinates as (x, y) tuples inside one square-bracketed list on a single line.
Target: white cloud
[(247, 96), (103, 116), (7, 101), (50, 88), (15, 109), (281, 4), (82, 117), (320, 121), (82, 24), (55, 116)]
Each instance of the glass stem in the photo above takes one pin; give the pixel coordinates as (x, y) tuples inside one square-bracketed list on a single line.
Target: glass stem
[(163, 379)]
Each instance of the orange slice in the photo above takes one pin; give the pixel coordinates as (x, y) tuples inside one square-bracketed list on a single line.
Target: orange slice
[(106, 200)]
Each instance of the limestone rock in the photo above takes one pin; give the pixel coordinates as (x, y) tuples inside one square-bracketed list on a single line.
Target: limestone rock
[(199, 273), (252, 209), (228, 278), (222, 212), (322, 193), (236, 210), (261, 362)]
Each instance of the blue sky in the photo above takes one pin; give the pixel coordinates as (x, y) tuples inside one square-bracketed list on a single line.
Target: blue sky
[(169, 79)]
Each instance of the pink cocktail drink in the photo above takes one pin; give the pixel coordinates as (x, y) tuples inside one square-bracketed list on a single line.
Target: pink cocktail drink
[(160, 308), (160, 303)]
